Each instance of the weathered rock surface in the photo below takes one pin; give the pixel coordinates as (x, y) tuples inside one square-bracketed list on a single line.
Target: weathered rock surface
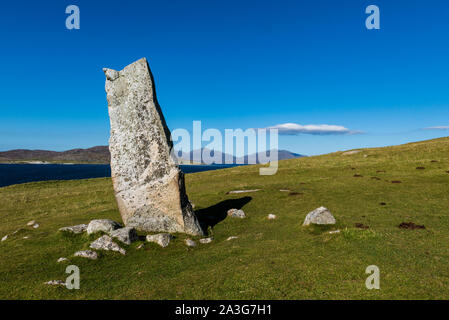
[(190, 243), (148, 184), (105, 225), (319, 216), (236, 213), (206, 240), (89, 254), (126, 235), (80, 228), (105, 243), (162, 239), (56, 283)]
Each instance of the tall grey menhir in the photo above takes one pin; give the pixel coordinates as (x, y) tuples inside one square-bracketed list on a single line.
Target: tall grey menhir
[(148, 184)]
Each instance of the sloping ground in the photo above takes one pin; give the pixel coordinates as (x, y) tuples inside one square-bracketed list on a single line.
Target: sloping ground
[(270, 259)]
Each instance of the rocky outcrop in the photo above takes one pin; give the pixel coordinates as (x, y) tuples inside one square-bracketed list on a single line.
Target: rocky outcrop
[(105, 243), (319, 216), (148, 184), (79, 228), (126, 235), (89, 254), (104, 225), (162, 239)]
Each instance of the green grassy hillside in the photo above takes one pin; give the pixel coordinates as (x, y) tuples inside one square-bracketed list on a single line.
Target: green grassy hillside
[(270, 259)]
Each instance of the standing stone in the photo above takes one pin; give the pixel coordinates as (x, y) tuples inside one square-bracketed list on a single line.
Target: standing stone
[(148, 184)]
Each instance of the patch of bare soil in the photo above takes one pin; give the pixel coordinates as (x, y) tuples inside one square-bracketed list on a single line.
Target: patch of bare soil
[(383, 204), (295, 194), (410, 225), (358, 176), (361, 226), (396, 181)]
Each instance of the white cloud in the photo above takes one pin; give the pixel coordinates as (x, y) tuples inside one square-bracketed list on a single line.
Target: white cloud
[(437, 128), (317, 129)]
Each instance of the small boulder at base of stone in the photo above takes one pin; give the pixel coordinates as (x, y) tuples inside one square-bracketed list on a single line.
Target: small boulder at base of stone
[(190, 243), (105, 243), (162, 239), (319, 216), (271, 216), (79, 228), (127, 235), (236, 213), (206, 240), (105, 225), (55, 283), (89, 254)]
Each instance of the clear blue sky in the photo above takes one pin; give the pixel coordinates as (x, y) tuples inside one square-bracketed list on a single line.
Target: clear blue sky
[(230, 64)]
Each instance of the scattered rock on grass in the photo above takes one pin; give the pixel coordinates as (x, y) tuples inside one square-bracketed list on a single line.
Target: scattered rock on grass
[(126, 235), (55, 283), (271, 216), (105, 225), (190, 243), (206, 240), (36, 225), (140, 246), (4, 238), (89, 254), (348, 153), (30, 223), (284, 190), (162, 239), (232, 238), (410, 225), (319, 216), (62, 260), (242, 191), (79, 228), (105, 243), (334, 231), (236, 213)]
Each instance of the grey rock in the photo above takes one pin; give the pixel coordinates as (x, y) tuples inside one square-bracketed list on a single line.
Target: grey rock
[(271, 216), (190, 243), (319, 216), (56, 283), (242, 191), (126, 235), (162, 239), (236, 213), (89, 254), (348, 153), (232, 238), (36, 225), (5, 238), (30, 223), (140, 246), (105, 225), (148, 184), (206, 240), (79, 228), (105, 243), (62, 260)]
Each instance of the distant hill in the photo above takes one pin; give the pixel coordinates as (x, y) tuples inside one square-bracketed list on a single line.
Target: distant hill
[(282, 155), (100, 154)]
